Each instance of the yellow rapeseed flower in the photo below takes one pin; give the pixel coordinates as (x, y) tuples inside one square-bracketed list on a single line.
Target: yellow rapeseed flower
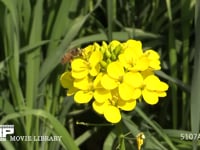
[(128, 83), (111, 107), (82, 67), (131, 56), (113, 76), (153, 59), (153, 89)]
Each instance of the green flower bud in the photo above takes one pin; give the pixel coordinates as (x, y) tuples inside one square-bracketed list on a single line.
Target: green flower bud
[(103, 64), (104, 44), (107, 53), (102, 49), (113, 57), (117, 50), (96, 46), (113, 44), (108, 61)]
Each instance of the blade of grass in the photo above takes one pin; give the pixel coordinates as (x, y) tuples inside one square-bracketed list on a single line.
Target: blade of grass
[(25, 12), (85, 136), (195, 94), (5, 105), (111, 6), (11, 6), (110, 139), (33, 46), (173, 64), (33, 63), (186, 17), (59, 29), (121, 36), (7, 145), (11, 49)]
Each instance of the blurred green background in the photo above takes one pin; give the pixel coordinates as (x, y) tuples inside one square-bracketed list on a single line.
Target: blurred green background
[(35, 34)]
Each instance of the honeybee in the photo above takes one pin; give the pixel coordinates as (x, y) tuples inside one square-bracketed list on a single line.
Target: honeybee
[(68, 56)]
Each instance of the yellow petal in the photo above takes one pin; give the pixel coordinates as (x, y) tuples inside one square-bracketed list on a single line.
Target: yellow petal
[(79, 65), (97, 81), (133, 79), (146, 73), (152, 82), (82, 97), (112, 114), (66, 80), (152, 54), (136, 93), (108, 82), (82, 84), (125, 60), (71, 91), (98, 107), (125, 91), (141, 64), (115, 70), (87, 51), (134, 44), (150, 97), (102, 95), (155, 64), (163, 86), (94, 70), (162, 94), (153, 57), (95, 58), (135, 47), (79, 74), (126, 105)]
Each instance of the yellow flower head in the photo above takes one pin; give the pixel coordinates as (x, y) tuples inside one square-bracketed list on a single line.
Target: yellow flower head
[(113, 76), (111, 107)]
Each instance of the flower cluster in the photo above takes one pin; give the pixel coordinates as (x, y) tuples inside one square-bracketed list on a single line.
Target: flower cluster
[(113, 76)]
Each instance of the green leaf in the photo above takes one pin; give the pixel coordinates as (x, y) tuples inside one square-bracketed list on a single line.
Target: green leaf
[(195, 94), (109, 141)]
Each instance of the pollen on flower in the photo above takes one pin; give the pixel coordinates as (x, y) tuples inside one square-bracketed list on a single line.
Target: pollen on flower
[(114, 77)]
